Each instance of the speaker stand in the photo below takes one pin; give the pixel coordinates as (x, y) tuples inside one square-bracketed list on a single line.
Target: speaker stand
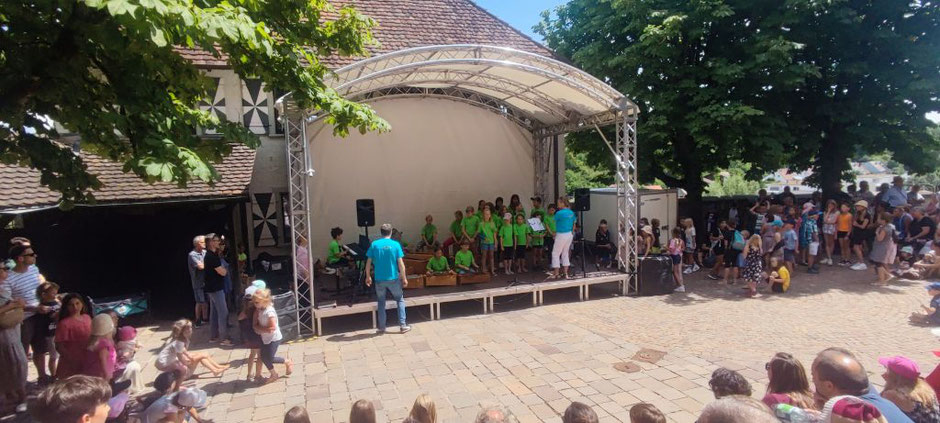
[(583, 241)]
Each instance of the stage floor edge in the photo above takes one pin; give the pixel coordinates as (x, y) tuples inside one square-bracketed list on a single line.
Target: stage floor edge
[(433, 298)]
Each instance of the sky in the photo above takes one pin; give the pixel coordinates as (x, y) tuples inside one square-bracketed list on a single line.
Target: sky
[(521, 14)]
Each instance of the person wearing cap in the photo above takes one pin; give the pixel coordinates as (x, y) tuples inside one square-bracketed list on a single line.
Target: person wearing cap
[(931, 315), (101, 356), (176, 407), (645, 242), (861, 231), (385, 263), (836, 372), (910, 392)]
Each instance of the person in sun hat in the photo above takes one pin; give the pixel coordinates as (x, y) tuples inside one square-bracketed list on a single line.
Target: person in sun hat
[(910, 392), (849, 409), (178, 406), (933, 379)]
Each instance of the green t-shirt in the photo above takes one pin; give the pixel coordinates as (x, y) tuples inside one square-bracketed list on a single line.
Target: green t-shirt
[(438, 264), (549, 222), (538, 238), (455, 228), (463, 258), (489, 232), (333, 255), (521, 231), (428, 232), (505, 235), (471, 224), (538, 210)]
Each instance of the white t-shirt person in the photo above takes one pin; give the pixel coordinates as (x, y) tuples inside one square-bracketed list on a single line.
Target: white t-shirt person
[(168, 360), (23, 286), (264, 321)]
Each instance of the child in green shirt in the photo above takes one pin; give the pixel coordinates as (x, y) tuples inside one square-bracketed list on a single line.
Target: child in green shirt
[(463, 260), (538, 242), (437, 265), (521, 231), (506, 243), (428, 235), (488, 243), (336, 258), (537, 206), (456, 233)]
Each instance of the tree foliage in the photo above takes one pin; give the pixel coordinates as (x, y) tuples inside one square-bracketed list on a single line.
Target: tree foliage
[(879, 74), (110, 71), (733, 181), (705, 74), (579, 173)]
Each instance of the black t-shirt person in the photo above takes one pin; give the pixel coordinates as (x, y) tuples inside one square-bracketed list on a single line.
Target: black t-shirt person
[(917, 226), (214, 281)]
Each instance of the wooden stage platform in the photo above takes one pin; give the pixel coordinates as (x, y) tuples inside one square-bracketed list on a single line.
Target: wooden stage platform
[(532, 283)]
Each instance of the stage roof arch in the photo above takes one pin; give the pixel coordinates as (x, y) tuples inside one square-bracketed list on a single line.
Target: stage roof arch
[(539, 93)]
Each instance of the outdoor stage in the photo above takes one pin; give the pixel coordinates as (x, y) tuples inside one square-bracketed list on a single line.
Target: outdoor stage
[(533, 284)]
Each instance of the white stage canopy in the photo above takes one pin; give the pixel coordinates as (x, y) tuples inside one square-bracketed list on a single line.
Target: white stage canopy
[(540, 94)]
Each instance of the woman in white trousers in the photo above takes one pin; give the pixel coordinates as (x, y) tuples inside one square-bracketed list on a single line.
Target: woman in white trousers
[(564, 227)]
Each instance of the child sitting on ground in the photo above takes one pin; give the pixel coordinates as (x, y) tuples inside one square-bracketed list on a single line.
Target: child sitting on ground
[(126, 348), (438, 265), (932, 315), (464, 262), (779, 278), (175, 354)]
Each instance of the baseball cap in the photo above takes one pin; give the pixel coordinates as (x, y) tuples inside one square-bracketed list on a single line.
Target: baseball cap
[(935, 286), (191, 397), (507, 216), (777, 223), (902, 366), (808, 206), (907, 249)]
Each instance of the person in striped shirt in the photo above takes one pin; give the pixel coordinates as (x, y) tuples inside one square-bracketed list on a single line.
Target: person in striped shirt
[(23, 280)]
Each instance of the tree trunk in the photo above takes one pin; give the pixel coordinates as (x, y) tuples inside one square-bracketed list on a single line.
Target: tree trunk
[(831, 163)]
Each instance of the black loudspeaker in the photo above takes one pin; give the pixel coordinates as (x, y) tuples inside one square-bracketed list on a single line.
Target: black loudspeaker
[(365, 212), (582, 199), (655, 276)]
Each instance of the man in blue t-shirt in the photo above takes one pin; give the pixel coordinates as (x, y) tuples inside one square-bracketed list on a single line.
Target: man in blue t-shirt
[(564, 225), (384, 259)]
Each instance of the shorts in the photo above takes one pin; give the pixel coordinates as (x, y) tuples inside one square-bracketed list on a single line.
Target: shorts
[(676, 259), (777, 287), (789, 255), (32, 334), (813, 248), (842, 235), (519, 252), (487, 247), (858, 238), (731, 258), (507, 253), (199, 294), (829, 229), (50, 347)]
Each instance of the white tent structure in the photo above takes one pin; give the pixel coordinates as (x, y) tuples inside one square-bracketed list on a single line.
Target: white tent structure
[(542, 96)]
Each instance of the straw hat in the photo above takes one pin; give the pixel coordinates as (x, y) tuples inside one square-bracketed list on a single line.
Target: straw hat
[(648, 229), (862, 203), (102, 325)]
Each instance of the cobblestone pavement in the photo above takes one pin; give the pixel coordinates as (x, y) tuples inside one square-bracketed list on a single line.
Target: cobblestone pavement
[(536, 360)]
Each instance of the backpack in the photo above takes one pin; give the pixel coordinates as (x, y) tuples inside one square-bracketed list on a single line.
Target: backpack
[(738, 242)]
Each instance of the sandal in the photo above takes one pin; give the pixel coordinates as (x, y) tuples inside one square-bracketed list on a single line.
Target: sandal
[(289, 364)]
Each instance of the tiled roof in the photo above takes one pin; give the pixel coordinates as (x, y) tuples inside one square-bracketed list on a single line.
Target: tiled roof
[(413, 23), (21, 189)]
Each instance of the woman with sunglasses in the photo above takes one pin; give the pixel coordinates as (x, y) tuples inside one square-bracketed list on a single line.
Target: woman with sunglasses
[(788, 383), (12, 355)]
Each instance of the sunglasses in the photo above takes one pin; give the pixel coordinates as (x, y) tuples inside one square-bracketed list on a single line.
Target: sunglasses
[(767, 366)]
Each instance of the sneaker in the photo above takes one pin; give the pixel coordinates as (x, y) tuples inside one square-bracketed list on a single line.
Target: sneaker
[(859, 266), (681, 288), (844, 263), (687, 271), (405, 329), (695, 268), (380, 331), (198, 324), (812, 271), (712, 277)]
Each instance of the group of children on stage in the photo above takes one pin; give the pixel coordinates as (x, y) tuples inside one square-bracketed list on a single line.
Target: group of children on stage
[(504, 238), (491, 236)]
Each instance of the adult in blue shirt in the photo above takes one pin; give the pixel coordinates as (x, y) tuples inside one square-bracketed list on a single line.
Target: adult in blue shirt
[(564, 227), (386, 256), (895, 196), (837, 372)]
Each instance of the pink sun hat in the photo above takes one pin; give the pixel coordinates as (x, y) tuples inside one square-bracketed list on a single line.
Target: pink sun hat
[(902, 366)]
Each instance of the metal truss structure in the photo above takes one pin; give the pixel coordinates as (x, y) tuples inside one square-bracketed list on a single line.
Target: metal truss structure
[(545, 97)]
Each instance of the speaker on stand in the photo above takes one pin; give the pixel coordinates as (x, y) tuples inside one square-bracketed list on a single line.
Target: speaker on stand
[(582, 203), (365, 218)]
